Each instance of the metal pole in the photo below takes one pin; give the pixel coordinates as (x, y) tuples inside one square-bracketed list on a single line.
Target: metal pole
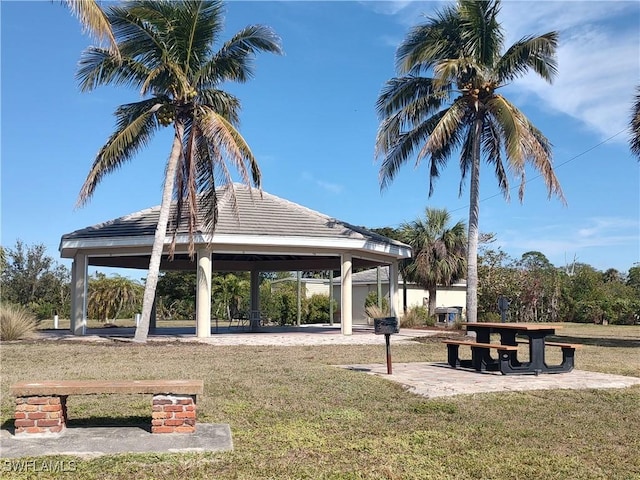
[(387, 340), (331, 297), (299, 298)]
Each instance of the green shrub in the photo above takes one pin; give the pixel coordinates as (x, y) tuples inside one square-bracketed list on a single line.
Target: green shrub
[(16, 322), (374, 311), (417, 316), (317, 310), (372, 300), (489, 317)]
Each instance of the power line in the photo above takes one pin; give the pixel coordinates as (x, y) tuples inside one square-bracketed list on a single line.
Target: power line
[(540, 175)]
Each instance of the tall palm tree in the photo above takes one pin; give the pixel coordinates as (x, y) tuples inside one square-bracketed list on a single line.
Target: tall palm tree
[(166, 50), (93, 19), (634, 125), (439, 252), (446, 99)]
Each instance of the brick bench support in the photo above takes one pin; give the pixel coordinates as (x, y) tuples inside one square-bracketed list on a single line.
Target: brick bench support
[(41, 407), (173, 414), (41, 414)]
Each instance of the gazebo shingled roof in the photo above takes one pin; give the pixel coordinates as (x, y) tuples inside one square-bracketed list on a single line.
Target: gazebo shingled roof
[(251, 230)]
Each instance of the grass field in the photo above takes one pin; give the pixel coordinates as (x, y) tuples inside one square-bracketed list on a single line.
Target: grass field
[(293, 415)]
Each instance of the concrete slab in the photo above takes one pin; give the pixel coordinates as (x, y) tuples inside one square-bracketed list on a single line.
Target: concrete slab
[(440, 380), (316, 334), (96, 441)]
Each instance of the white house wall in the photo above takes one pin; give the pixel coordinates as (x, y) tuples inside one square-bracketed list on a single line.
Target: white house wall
[(445, 297), (317, 289)]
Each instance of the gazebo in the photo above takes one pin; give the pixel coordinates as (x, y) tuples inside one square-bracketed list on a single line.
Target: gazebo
[(256, 232)]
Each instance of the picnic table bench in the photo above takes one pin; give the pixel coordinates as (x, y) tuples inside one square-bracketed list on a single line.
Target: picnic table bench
[(507, 361), (41, 407), (478, 361)]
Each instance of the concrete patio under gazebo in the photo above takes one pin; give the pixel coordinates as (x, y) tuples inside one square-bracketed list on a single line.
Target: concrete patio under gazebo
[(260, 232)]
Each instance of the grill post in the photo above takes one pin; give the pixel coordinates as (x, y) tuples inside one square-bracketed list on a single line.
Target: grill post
[(386, 326)]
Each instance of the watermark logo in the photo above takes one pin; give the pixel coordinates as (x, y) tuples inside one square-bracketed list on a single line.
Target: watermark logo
[(38, 466)]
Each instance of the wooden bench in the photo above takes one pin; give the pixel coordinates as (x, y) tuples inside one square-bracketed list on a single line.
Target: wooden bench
[(480, 358), (41, 407)]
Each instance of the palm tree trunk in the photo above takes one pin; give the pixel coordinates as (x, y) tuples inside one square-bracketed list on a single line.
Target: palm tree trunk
[(432, 301), (472, 241), (142, 331)]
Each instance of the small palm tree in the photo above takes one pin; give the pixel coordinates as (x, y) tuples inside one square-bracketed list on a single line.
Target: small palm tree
[(228, 292), (634, 125), (109, 296), (439, 253), (447, 99), (166, 52)]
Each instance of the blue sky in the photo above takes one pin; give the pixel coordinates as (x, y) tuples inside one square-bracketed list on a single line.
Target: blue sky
[(309, 117)]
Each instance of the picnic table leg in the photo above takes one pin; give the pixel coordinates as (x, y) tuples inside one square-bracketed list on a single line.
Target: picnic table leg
[(567, 364), (536, 352), (452, 354)]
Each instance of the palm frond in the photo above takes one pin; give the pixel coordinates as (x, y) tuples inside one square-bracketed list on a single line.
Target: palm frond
[(234, 61), (438, 38), (507, 117), (446, 133), (197, 25), (136, 124), (535, 53), (397, 147), (94, 20), (492, 150), (221, 102), (524, 143), (224, 137), (99, 66), (401, 93), (634, 125), (480, 30)]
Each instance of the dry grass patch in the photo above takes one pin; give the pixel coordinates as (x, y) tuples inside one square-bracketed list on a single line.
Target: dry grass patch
[(294, 415), (16, 322)]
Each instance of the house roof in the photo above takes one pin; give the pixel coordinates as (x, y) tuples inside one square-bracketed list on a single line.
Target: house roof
[(370, 276), (256, 226)]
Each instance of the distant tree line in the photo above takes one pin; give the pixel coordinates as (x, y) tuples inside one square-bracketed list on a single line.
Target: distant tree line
[(537, 290)]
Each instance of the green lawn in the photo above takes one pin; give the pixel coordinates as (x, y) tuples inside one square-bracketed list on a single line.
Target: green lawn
[(293, 415)]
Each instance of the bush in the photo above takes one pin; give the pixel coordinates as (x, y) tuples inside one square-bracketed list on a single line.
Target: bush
[(417, 316), (373, 311), (489, 317), (372, 300), (16, 322), (317, 310)]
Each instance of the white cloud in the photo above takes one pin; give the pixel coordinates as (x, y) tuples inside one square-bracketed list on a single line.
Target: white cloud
[(328, 186), (598, 59), (563, 240), (598, 55)]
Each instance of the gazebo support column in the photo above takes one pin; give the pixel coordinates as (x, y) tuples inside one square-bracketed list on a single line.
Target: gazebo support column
[(346, 295), (203, 294), (78, 324), (394, 297), (254, 316)]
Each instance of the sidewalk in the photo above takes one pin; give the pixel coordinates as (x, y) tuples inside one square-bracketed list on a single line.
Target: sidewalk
[(440, 380)]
